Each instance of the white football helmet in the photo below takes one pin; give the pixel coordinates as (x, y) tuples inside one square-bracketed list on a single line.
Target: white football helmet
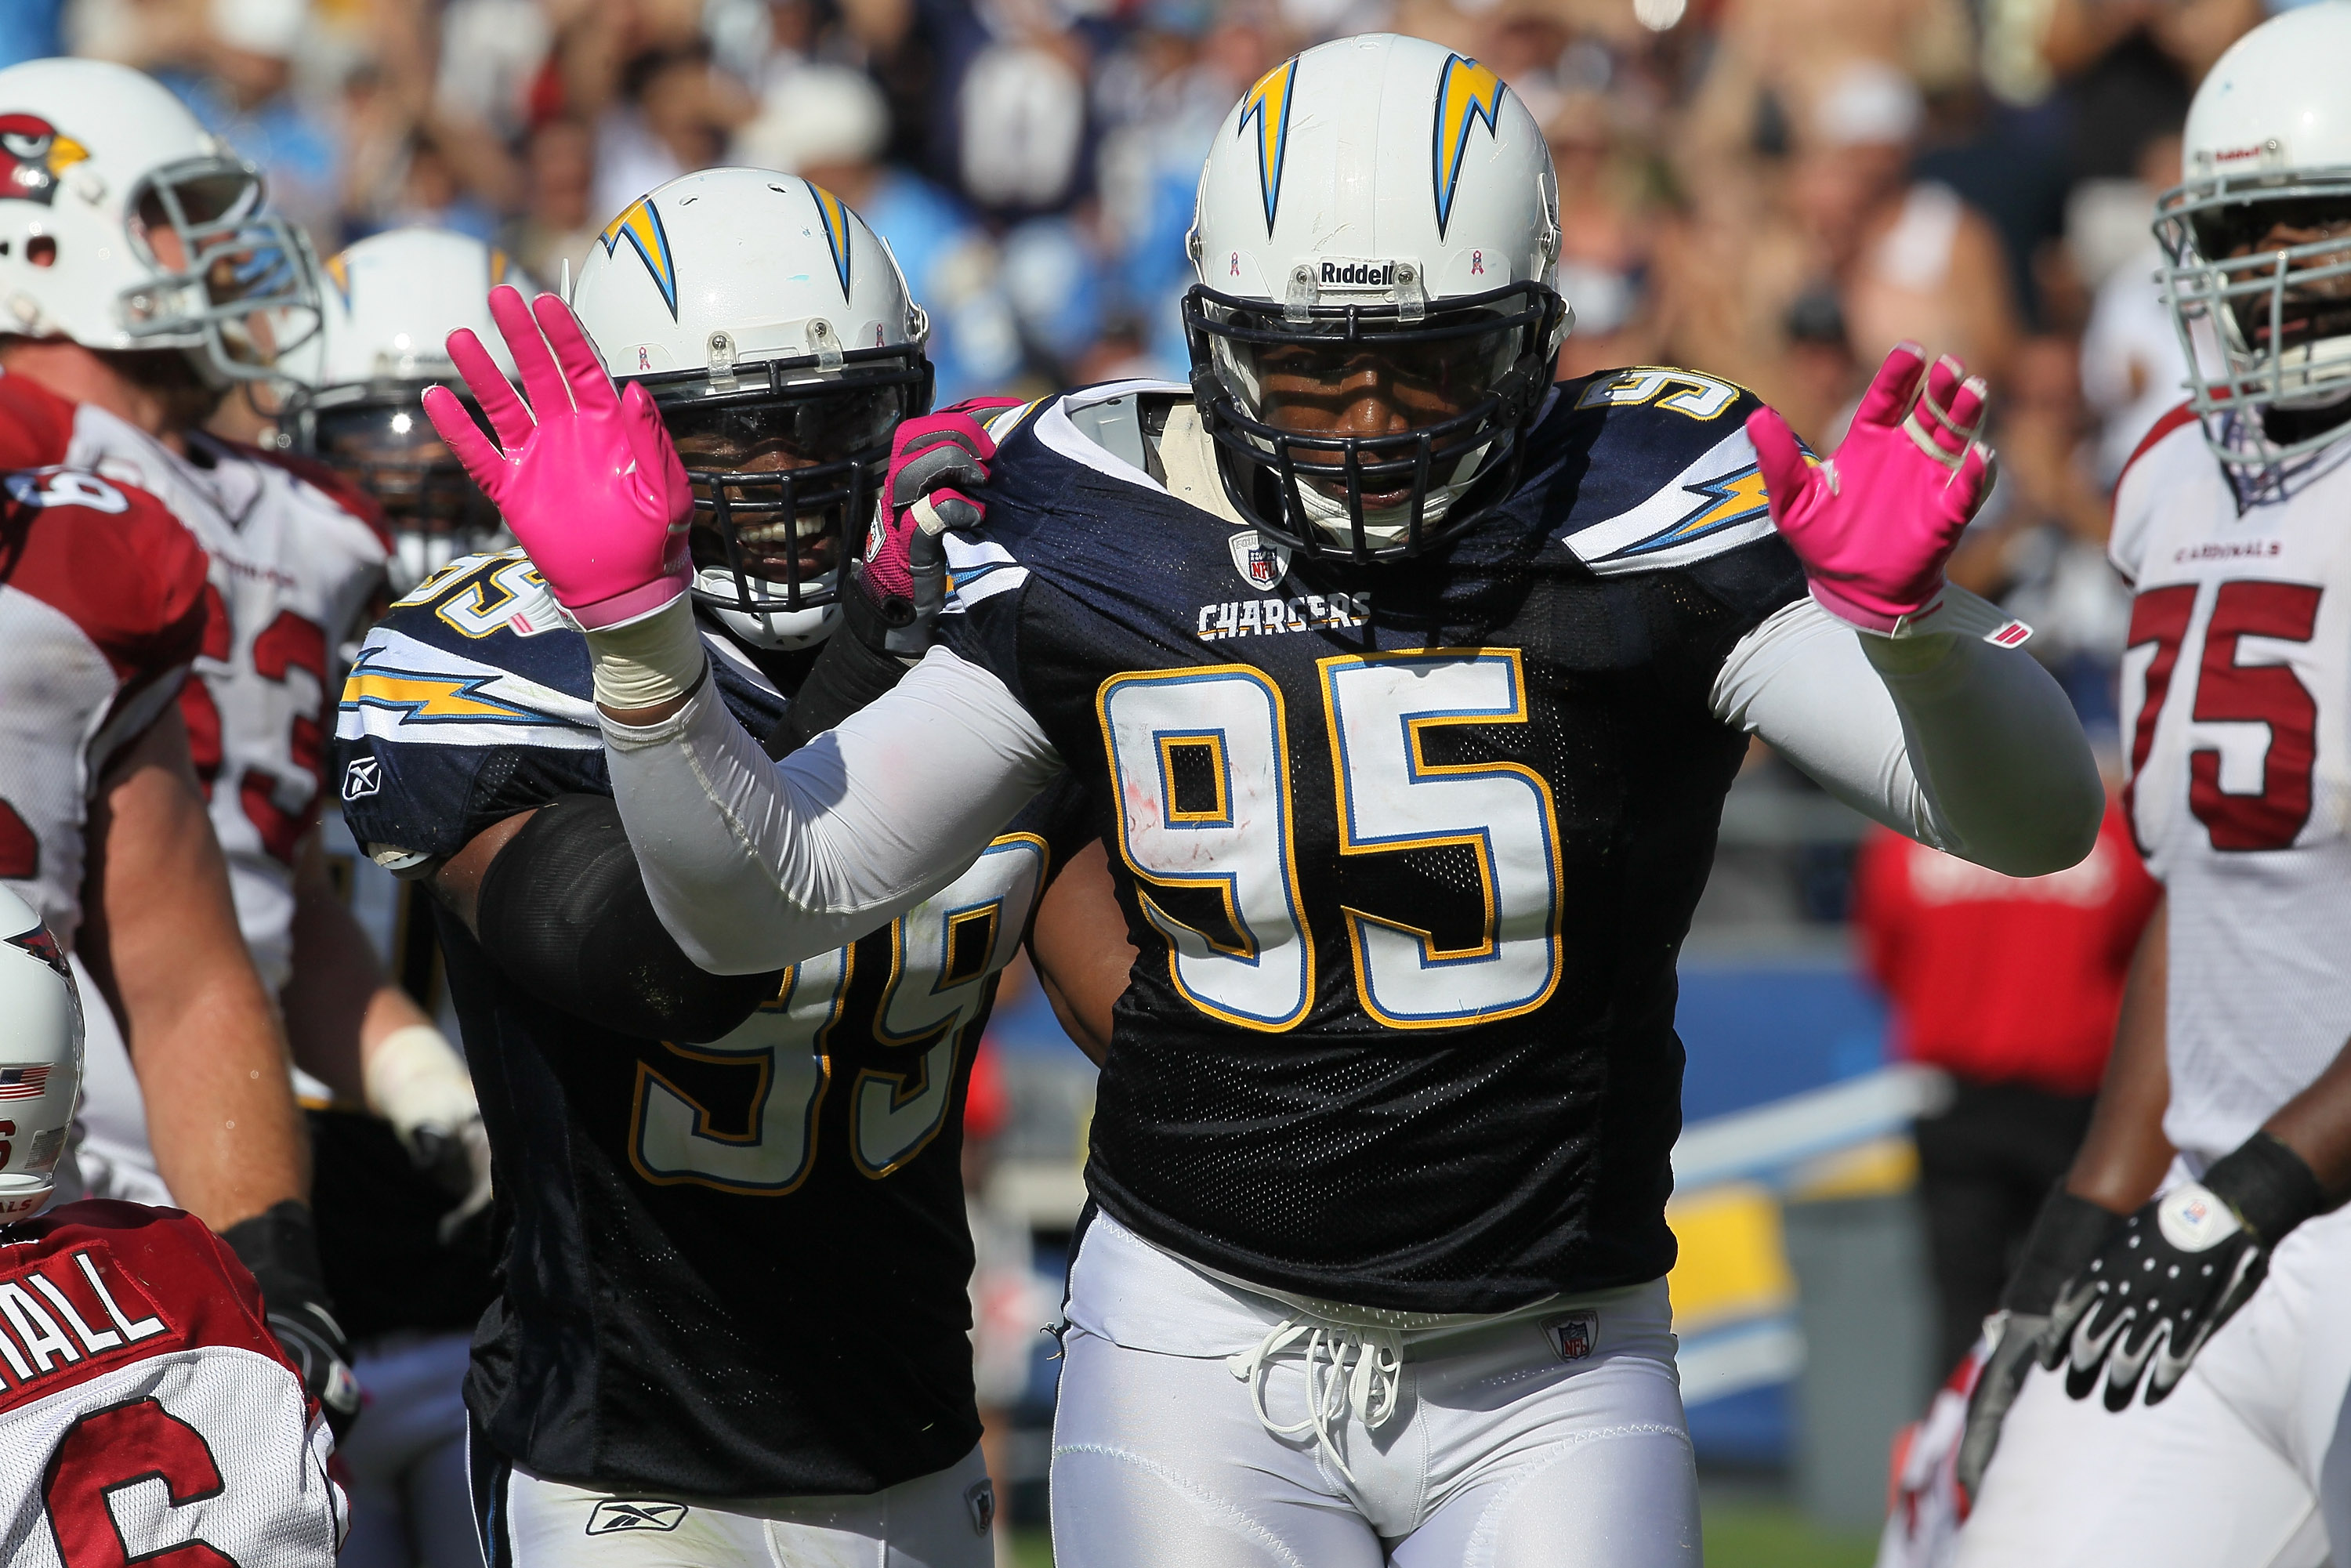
[(2268, 142), (388, 304), (41, 1058), (774, 331), (1376, 213), (125, 225)]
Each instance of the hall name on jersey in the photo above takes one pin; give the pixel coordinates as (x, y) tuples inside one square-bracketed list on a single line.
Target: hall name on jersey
[(69, 1310), (1273, 617)]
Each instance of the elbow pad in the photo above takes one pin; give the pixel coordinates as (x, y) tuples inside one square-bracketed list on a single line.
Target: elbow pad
[(564, 912)]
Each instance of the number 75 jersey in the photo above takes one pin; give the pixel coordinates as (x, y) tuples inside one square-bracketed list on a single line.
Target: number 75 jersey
[(2236, 709)]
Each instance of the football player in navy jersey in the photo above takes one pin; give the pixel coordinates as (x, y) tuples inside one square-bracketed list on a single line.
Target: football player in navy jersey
[(1406, 688), (733, 1322)]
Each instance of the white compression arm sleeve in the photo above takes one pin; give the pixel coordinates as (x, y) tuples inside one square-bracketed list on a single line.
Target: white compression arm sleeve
[(753, 865), (1960, 745)]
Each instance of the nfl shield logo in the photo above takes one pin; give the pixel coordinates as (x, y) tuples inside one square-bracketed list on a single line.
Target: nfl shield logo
[(979, 1504), (1573, 1335), (1260, 565)]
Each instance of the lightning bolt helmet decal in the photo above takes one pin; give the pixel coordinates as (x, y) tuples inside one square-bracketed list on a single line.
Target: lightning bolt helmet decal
[(1269, 104), (1466, 92), (640, 225), (836, 231)]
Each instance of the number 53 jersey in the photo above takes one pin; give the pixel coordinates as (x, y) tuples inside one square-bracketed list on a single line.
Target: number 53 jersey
[(732, 1268), (1407, 852), (2236, 703)]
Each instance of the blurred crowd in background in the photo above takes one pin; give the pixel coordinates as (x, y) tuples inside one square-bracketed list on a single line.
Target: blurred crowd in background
[(1773, 191)]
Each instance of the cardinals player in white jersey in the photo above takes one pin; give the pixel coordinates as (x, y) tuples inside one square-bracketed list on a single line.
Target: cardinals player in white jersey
[(2227, 1289), (146, 1412), (140, 276)]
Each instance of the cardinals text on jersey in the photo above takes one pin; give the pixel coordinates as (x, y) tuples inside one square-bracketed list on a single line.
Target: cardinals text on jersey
[(2237, 710), (147, 1411), (737, 1269), (1408, 875)]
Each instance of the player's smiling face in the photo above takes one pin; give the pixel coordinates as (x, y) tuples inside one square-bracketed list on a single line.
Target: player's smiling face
[(1370, 389)]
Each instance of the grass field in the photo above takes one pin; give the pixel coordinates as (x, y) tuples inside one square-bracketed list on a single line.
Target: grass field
[(1741, 1532)]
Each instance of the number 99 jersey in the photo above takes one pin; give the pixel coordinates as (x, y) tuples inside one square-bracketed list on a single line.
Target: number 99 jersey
[(731, 1268), (2236, 705), (1407, 850)]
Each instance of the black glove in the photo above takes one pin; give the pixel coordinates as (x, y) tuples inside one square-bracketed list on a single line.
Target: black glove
[(2176, 1271), (2066, 1234), (280, 1246)]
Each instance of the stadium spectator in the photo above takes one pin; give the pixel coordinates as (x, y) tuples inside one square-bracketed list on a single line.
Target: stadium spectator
[(1910, 260), (2010, 985)]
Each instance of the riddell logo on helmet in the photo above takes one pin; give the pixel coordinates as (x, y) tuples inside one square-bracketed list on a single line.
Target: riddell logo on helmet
[(1359, 275)]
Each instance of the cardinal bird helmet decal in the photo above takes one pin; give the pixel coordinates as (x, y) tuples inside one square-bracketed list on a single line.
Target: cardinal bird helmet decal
[(33, 153)]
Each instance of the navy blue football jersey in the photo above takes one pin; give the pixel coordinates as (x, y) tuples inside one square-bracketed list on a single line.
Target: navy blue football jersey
[(728, 1270), (1408, 851)]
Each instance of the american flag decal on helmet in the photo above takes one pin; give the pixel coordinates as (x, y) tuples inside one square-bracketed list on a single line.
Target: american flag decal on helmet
[(24, 1082)]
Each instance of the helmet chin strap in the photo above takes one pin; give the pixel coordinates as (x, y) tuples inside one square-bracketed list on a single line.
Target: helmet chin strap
[(777, 631)]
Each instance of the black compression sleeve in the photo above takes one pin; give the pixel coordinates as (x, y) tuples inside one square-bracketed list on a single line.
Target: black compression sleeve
[(852, 670), (564, 912)]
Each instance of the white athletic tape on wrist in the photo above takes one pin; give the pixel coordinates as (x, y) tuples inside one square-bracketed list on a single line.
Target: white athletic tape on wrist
[(649, 661), (414, 1078)]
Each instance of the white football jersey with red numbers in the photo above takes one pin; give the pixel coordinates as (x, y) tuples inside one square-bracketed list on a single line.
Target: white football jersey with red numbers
[(293, 564), (146, 1411), (2236, 705), (101, 608)]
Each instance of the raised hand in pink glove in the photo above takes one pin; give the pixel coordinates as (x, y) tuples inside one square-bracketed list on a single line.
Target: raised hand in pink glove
[(585, 477), (1876, 522)]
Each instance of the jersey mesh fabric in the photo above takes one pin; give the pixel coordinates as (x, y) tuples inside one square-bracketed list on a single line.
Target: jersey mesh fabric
[(1490, 1162), (101, 609), (2240, 743), (157, 1409), (291, 567), (675, 1315)]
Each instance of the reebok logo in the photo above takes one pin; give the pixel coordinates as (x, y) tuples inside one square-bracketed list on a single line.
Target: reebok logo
[(362, 779), (613, 1515)]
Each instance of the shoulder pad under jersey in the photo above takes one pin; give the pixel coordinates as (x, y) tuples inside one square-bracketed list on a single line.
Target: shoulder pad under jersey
[(1662, 470)]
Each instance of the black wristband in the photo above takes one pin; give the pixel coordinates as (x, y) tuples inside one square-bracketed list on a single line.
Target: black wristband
[(2270, 1188), (2065, 1235), (279, 1246), (852, 670)]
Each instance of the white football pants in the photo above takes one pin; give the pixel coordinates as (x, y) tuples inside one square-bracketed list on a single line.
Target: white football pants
[(939, 1521), (1549, 1436), (2246, 1464)]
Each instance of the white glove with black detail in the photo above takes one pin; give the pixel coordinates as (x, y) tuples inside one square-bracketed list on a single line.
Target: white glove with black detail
[(2164, 1284)]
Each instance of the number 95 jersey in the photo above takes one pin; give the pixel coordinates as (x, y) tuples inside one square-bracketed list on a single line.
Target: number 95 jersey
[(2236, 703), (1407, 852)]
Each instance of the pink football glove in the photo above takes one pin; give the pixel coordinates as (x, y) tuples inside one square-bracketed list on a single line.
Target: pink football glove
[(588, 480), (932, 459), (1874, 523)]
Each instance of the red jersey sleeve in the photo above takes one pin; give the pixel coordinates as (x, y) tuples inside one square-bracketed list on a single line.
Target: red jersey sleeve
[(127, 571)]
